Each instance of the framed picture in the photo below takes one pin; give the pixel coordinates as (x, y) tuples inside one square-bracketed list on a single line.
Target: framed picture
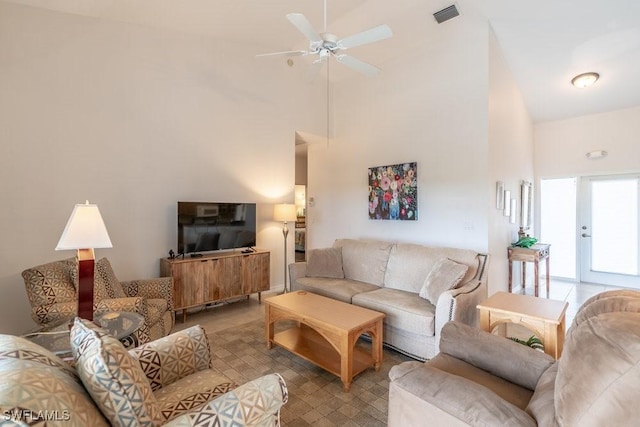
[(507, 203), (500, 195), (393, 192)]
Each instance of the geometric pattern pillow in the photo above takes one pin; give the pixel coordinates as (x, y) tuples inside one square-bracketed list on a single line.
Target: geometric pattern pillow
[(446, 275), (167, 360), (114, 379), (106, 278), (34, 384)]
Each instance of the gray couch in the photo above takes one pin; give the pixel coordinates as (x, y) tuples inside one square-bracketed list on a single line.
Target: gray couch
[(389, 277), (480, 379)]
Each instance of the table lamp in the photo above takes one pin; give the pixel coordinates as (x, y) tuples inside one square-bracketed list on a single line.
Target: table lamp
[(285, 213), (85, 231)]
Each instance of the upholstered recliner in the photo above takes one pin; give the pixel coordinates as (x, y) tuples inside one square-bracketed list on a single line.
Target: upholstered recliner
[(169, 381), (480, 379), (51, 289)]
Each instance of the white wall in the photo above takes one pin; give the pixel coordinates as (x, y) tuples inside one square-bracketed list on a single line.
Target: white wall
[(510, 161), (428, 106), (134, 119), (560, 146)]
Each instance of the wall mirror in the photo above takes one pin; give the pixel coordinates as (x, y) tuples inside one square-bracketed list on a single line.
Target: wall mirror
[(526, 202)]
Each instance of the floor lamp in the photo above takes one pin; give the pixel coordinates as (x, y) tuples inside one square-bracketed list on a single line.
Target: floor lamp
[(85, 231), (285, 213)]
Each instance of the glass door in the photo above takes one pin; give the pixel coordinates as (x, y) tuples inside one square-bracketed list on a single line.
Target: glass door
[(608, 234)]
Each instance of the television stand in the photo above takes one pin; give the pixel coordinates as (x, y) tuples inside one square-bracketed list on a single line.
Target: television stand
[(216, 277)]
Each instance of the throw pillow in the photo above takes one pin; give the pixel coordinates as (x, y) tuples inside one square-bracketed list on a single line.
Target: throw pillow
[(113, 378), (325, 262), (446, 274), (106, 278)]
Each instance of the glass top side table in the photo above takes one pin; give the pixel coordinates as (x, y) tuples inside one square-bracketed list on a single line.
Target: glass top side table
[(57, 338)]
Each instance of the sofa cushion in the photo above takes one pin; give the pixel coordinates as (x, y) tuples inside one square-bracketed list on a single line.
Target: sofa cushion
[(512, 393), (364, 260), (340, 289), (326, 262), (462, 398), (446, 274), (598, 380), (113, 377), (191, 392), (404, 310), (34, 381), (410, 264)]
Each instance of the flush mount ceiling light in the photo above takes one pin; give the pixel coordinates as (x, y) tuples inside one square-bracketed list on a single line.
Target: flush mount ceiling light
[(585, 79), (597, 154)]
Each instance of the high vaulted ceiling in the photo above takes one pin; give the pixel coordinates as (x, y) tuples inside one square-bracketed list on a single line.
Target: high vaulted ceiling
[(545, 42)]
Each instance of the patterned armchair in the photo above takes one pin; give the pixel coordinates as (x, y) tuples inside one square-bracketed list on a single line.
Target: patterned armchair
[(51, 289), (169, 381)]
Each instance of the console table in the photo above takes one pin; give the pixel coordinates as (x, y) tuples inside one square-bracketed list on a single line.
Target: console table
[(544, 317), (534, 254), (216, 277)]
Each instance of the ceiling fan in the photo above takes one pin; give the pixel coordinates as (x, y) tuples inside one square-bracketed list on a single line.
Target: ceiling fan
[(325, 44)]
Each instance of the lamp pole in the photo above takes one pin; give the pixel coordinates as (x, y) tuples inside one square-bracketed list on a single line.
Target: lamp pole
[(285, 213), (285, 233)]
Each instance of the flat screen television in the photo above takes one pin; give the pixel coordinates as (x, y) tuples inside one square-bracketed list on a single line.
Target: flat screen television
[(212, 226)]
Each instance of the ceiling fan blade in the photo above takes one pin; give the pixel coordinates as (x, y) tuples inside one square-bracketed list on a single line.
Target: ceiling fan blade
[(375, 34), (287, 53), (357, 65), (304, 26)]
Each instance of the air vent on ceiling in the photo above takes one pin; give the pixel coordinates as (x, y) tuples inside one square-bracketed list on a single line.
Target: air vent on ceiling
[(446, 14)]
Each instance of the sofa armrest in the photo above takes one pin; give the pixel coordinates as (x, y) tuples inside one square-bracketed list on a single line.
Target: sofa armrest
[(421, 392), (256, 403), (460, 305), (168, 359), (161, 287), (297, 270), (501, 357)]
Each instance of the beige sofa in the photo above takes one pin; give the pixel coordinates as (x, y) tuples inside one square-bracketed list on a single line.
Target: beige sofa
[(480, 379), (389, 277), (169, 381)]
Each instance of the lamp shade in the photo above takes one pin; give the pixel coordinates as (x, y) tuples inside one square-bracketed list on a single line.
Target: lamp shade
[(284, 212), (85, 229)]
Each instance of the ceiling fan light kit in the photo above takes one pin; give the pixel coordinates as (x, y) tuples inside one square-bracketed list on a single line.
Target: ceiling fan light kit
[(325, 44), (585, 79)]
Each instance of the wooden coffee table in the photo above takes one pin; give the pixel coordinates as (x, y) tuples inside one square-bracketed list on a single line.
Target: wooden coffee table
[(544, 317), (326, 332)]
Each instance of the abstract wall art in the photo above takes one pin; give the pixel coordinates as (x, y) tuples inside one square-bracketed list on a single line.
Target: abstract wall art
[(393, 192)]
